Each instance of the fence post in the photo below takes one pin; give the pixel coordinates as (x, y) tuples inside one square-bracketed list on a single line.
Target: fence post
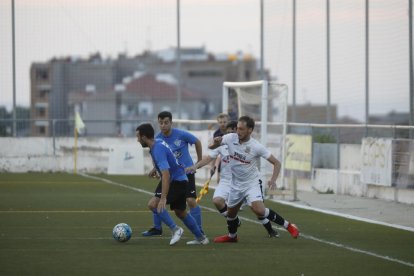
[(338, 168), (54, 136), (294, 187)]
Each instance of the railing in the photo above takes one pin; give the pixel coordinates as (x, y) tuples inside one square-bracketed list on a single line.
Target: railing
[(126, 127)]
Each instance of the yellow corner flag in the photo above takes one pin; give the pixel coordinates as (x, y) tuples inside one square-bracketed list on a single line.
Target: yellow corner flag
[(79, 124)]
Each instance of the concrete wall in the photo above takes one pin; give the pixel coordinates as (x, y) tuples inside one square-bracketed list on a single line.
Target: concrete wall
[(37, 154), (346, 181)]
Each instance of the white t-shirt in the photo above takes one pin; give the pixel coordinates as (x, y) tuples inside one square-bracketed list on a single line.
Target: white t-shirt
[(244, 159), (225, 170)]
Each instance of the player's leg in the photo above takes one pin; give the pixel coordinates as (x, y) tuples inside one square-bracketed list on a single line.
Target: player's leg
[(262, 213), (220, 196), (221, 205), (235, 200), (156, 229), (255, 194), (164, 216), (177, 201), (191, 195)]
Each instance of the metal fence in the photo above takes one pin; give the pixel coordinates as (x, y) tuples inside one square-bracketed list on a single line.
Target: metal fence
[(321, 133)]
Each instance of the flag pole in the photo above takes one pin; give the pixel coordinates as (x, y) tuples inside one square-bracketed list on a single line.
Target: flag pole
[(75, 149)]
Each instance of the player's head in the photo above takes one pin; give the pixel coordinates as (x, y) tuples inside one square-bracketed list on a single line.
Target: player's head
[(222, 120), (144, 133), (165, 122), (231, 127), (245, 127)]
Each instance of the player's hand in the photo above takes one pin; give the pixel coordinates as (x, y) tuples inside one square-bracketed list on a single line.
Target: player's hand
[(271, 184), (153, 174), (161, 205), (191, 170), (217, 140)]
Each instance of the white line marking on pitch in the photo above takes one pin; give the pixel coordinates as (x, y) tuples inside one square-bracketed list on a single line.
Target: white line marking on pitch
[(70, 211), (402, 227), (353, 249)]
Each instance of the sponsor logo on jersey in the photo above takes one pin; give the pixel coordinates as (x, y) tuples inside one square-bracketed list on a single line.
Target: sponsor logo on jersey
[(178, 154), (239, 156), (177, 142)]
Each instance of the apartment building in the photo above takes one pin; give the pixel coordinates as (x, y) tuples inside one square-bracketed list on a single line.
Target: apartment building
[(202, 73)]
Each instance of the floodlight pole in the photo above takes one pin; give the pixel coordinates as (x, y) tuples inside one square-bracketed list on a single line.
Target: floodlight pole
[(293, 119), (178, 61), (410, 16), (366, 61), (328, 63), (14, 72), (263, 77)]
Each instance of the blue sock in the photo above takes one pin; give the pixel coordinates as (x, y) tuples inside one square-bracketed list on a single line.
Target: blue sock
[(167, 219), (156, 219), (196, 214), (191, 224)]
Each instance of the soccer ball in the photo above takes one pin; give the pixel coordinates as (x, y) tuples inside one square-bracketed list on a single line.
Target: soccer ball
[(122, 232)]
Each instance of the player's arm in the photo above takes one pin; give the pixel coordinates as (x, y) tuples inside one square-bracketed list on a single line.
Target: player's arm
[(216, 165), (204, 161), (165, 178), (217, 161), (276, 170), (199, 150)]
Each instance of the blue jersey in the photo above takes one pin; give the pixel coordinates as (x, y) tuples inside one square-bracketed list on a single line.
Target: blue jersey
[(164, 159), (179, 140)]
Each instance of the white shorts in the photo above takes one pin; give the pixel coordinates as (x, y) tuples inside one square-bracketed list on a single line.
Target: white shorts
[(250, 194), (223, 190)]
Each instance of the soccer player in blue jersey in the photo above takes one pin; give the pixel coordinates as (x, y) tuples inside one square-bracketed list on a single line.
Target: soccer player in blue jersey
[(179, 141), (173, 184)]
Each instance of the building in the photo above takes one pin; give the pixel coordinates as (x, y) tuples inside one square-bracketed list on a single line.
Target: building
[(202, 73), (311, 113), (118, 111)]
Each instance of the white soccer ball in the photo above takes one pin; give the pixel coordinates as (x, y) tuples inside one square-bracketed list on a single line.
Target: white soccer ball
[(122, 232)]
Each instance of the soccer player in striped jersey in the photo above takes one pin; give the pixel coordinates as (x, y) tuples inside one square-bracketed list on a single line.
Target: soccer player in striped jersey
[(222, 191), (244, 152)]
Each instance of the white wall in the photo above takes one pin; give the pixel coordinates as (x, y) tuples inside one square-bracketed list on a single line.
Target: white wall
[(36, 154), (348, 181)]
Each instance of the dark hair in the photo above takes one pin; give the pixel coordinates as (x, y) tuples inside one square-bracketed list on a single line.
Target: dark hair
[(146, 130), (231, 124), (164, 114), (249, 121)]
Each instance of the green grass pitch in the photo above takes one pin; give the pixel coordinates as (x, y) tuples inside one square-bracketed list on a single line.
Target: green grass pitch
[(61, 224)]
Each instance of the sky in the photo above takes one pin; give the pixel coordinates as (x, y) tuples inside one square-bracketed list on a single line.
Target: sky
[(58, 28)]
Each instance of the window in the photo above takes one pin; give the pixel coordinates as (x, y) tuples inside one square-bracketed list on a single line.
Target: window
[(247, 75), (43, 94), (42, 74), (146, 108), (41, 112), (204, 73), (42, 130)]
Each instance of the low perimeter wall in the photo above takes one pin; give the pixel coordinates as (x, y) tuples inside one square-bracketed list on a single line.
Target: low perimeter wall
[(125, 156)]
